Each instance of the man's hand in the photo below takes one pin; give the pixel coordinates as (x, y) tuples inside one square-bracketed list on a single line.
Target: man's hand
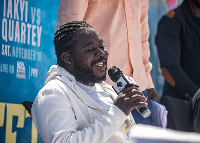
[(152, 94), (128, 99)]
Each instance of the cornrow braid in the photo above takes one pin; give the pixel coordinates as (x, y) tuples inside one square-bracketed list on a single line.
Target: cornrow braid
[(64, 37)]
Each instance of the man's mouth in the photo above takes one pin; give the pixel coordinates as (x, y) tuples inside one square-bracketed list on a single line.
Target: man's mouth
[(102, 64)]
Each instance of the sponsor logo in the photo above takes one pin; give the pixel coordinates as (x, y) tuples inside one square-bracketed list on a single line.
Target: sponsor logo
[(21, 71)]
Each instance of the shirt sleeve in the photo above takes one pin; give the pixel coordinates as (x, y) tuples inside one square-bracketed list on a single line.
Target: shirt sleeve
[(145, 42), (55, 120), (71, 10), (168, 41)]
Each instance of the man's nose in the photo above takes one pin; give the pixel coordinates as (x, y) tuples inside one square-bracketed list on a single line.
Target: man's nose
[(102, 52)]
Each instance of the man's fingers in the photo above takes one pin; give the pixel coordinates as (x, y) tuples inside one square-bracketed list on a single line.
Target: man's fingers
[(130, 99), (139, 104), (127, 89), (133, 92), (137, 97)]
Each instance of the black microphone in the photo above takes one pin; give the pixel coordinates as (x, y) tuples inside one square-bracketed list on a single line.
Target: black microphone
[(122, 82)]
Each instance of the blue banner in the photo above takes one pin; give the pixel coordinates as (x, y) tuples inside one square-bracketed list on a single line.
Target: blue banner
[(27, 52)]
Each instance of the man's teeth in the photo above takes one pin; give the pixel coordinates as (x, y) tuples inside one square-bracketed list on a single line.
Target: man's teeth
[(100, 64)]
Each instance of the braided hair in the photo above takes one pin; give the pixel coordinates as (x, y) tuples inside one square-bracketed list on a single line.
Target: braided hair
[(64, 38)]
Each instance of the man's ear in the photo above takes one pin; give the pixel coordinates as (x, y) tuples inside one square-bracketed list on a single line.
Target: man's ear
[(66, 57)]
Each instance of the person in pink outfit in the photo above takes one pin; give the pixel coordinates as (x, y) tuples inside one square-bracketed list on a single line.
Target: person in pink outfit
[(123, 24)]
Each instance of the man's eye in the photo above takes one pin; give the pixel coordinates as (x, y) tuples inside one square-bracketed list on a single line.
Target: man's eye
[(90, 50)]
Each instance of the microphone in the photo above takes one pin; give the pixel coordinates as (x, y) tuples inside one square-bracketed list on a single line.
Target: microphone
[(122, 82)]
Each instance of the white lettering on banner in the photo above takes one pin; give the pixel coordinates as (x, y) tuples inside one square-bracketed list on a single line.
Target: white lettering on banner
[(18, 5), (11, 69), (23, 30), (29, 27), (38, 17), (4, 29), (27, 54), (5, 50), (13, 22), (17, 27), (22, 53), (34, 72), (26, 12), (11, 31), (17, 39), (9, 12), (37, 12), (33, 9), (22, 3), (33, 35), (25, 33), (4, 9), (6, 68), (39, 32), (16, 14)]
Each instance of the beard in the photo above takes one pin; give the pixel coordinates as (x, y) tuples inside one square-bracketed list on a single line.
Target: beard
[(85, 74)]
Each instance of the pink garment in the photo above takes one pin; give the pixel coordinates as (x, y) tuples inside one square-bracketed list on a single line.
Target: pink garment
[(123, 25)]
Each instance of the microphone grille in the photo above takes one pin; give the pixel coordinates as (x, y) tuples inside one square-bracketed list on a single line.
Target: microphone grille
[(114, 73)]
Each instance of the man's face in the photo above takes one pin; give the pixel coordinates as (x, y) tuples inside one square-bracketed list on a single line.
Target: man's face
[(89, 57)]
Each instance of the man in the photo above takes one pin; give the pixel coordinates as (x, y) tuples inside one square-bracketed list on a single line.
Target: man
[(178, 43), (76, 105), (123, 24)]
